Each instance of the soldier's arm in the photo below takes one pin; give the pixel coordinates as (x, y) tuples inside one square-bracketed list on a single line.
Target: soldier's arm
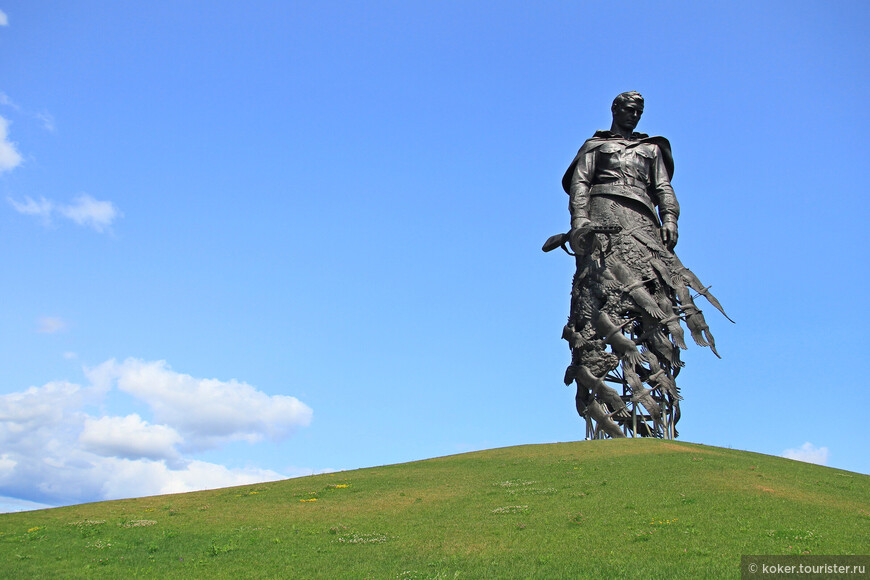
[(669, 207), (581, 183)]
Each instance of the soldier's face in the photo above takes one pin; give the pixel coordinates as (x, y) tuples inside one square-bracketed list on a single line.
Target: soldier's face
[(628, 115)]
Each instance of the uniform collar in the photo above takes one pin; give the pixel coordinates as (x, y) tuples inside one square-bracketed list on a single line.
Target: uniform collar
[(608, 134)]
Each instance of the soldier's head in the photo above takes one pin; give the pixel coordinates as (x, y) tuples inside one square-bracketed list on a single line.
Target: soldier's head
[(627, 108)]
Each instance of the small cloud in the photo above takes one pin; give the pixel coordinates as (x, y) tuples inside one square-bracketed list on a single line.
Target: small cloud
[(5, 100), (87, 211), (84, 210), (4, 20), (50, 325), (47, 120), (29, 206), (808, 453), (69, 355), (10, 158)]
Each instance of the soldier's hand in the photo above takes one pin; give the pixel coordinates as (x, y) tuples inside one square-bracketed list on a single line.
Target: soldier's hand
[(577, 235), (669, 234)]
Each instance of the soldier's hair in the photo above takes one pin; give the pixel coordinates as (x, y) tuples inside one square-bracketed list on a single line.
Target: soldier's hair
[(626, 97)]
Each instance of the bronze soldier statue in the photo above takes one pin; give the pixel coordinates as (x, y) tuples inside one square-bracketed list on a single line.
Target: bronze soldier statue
[(630, 291)]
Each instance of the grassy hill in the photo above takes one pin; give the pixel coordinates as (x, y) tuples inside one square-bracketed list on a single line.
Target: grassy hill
[(597, 509)]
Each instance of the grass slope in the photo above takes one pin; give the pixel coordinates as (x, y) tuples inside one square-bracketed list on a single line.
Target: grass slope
[(600, 509)]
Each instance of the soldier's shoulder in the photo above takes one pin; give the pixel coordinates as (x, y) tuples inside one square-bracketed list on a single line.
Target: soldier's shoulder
[(597, 140), (664, 148)]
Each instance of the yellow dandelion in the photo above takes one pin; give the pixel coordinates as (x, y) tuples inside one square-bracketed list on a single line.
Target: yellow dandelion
[(33, 529)]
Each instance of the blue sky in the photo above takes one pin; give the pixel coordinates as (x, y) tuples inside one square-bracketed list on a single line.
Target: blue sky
[(245, 241)]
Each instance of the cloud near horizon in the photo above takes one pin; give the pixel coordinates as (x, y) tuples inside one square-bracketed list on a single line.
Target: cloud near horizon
[(84, 211), (54, 452), (808, 453), (225, 410)]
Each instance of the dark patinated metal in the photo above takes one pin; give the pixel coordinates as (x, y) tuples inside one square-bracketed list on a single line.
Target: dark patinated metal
[(630, 292)]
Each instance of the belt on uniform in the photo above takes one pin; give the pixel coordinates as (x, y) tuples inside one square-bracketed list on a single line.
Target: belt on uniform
[(623, 190)]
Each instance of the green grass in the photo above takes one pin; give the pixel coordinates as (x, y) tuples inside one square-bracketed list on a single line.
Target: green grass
[(598, 509)]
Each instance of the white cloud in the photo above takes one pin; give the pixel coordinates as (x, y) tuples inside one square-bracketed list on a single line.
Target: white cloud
[(808, 453), (44, 117), (207, 411), (87, 211), (126, 478), (55, 453), (84, 210), (36, 409), (5, 100), (41, 208), (7, 464), (9, 156), (47, 120), (4, 20), (129, 437), (50, 325)]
